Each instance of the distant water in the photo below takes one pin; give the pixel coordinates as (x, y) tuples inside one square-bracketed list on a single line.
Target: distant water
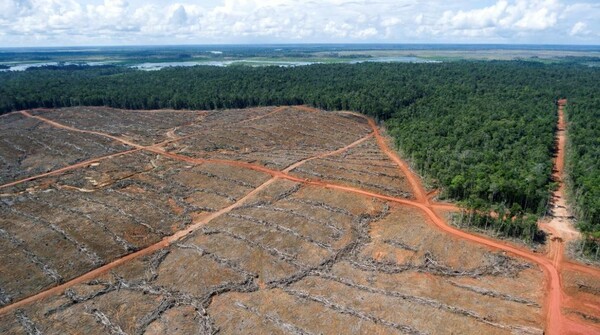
[(398, 59), (20, 59), (158, 66), (149, 66), (25, 66), (251, 62)]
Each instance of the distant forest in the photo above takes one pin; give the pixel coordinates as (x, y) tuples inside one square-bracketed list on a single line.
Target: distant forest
[(482, 131)]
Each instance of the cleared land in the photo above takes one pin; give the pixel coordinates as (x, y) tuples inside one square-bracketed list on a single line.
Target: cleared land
[(268, 220)]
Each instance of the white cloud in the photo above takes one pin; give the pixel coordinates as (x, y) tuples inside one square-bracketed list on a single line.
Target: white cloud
[(477, 18), (419, 19), (365, 33), (10, 9), (579, 28), (390, 22), (60, 22), (111, 9), (537, 19), (520, 18), (337, 30)]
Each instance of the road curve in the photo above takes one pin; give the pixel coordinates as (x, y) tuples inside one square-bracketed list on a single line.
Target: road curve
[(555, 322)]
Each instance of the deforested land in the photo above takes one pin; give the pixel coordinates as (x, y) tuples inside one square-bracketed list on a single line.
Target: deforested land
[(421, 198)]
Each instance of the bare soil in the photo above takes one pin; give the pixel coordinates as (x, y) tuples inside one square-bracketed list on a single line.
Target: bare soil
[(580, 305), (268, 220)]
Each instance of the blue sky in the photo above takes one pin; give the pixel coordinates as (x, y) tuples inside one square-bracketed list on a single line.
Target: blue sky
[(135, 22)]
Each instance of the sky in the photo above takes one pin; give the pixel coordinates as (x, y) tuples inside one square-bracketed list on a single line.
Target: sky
[(148, 22)]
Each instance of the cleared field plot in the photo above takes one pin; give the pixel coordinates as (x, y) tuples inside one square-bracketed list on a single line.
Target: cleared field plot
[(146, 127), (363, 166), (583, 301), (273, 220), (275, 141), (29, 147), (67, 225), (295, 259)]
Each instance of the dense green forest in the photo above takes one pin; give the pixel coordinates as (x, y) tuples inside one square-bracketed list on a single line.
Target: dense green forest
[(483, 131), (583, 166)]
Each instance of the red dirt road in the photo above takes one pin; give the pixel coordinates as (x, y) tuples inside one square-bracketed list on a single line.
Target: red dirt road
[(561, 228), (561, 225), (62, 126), (275, 111), (178, 235), (413, 180), (556, 323), (70, 167), (332, 153), (553, 300)]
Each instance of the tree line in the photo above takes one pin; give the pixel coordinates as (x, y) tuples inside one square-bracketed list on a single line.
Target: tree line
[(583, 167), (483, 132)]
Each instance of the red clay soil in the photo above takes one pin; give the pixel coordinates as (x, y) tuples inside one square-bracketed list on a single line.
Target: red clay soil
[(62, 126), (431, 194), (581, 268), (306, 109), (156, 148), (556, 323), (70, 167), (413, 180), (561, 229), (276, 110), (560, 220), (332, 153), (446, 206), (178, 235)]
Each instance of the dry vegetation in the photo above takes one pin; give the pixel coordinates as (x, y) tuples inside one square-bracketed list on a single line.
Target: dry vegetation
[(29, 147), (233, 235), (363, 166)]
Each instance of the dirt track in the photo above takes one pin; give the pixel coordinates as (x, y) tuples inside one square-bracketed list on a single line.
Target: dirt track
[(560, 226), (556, 322), (180, 234), (61, 126)]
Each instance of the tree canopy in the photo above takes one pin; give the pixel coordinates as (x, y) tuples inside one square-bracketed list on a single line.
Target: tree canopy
[(481, 131)]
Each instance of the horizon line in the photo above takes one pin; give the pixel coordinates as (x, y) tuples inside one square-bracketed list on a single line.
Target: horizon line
[(305, 44)]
